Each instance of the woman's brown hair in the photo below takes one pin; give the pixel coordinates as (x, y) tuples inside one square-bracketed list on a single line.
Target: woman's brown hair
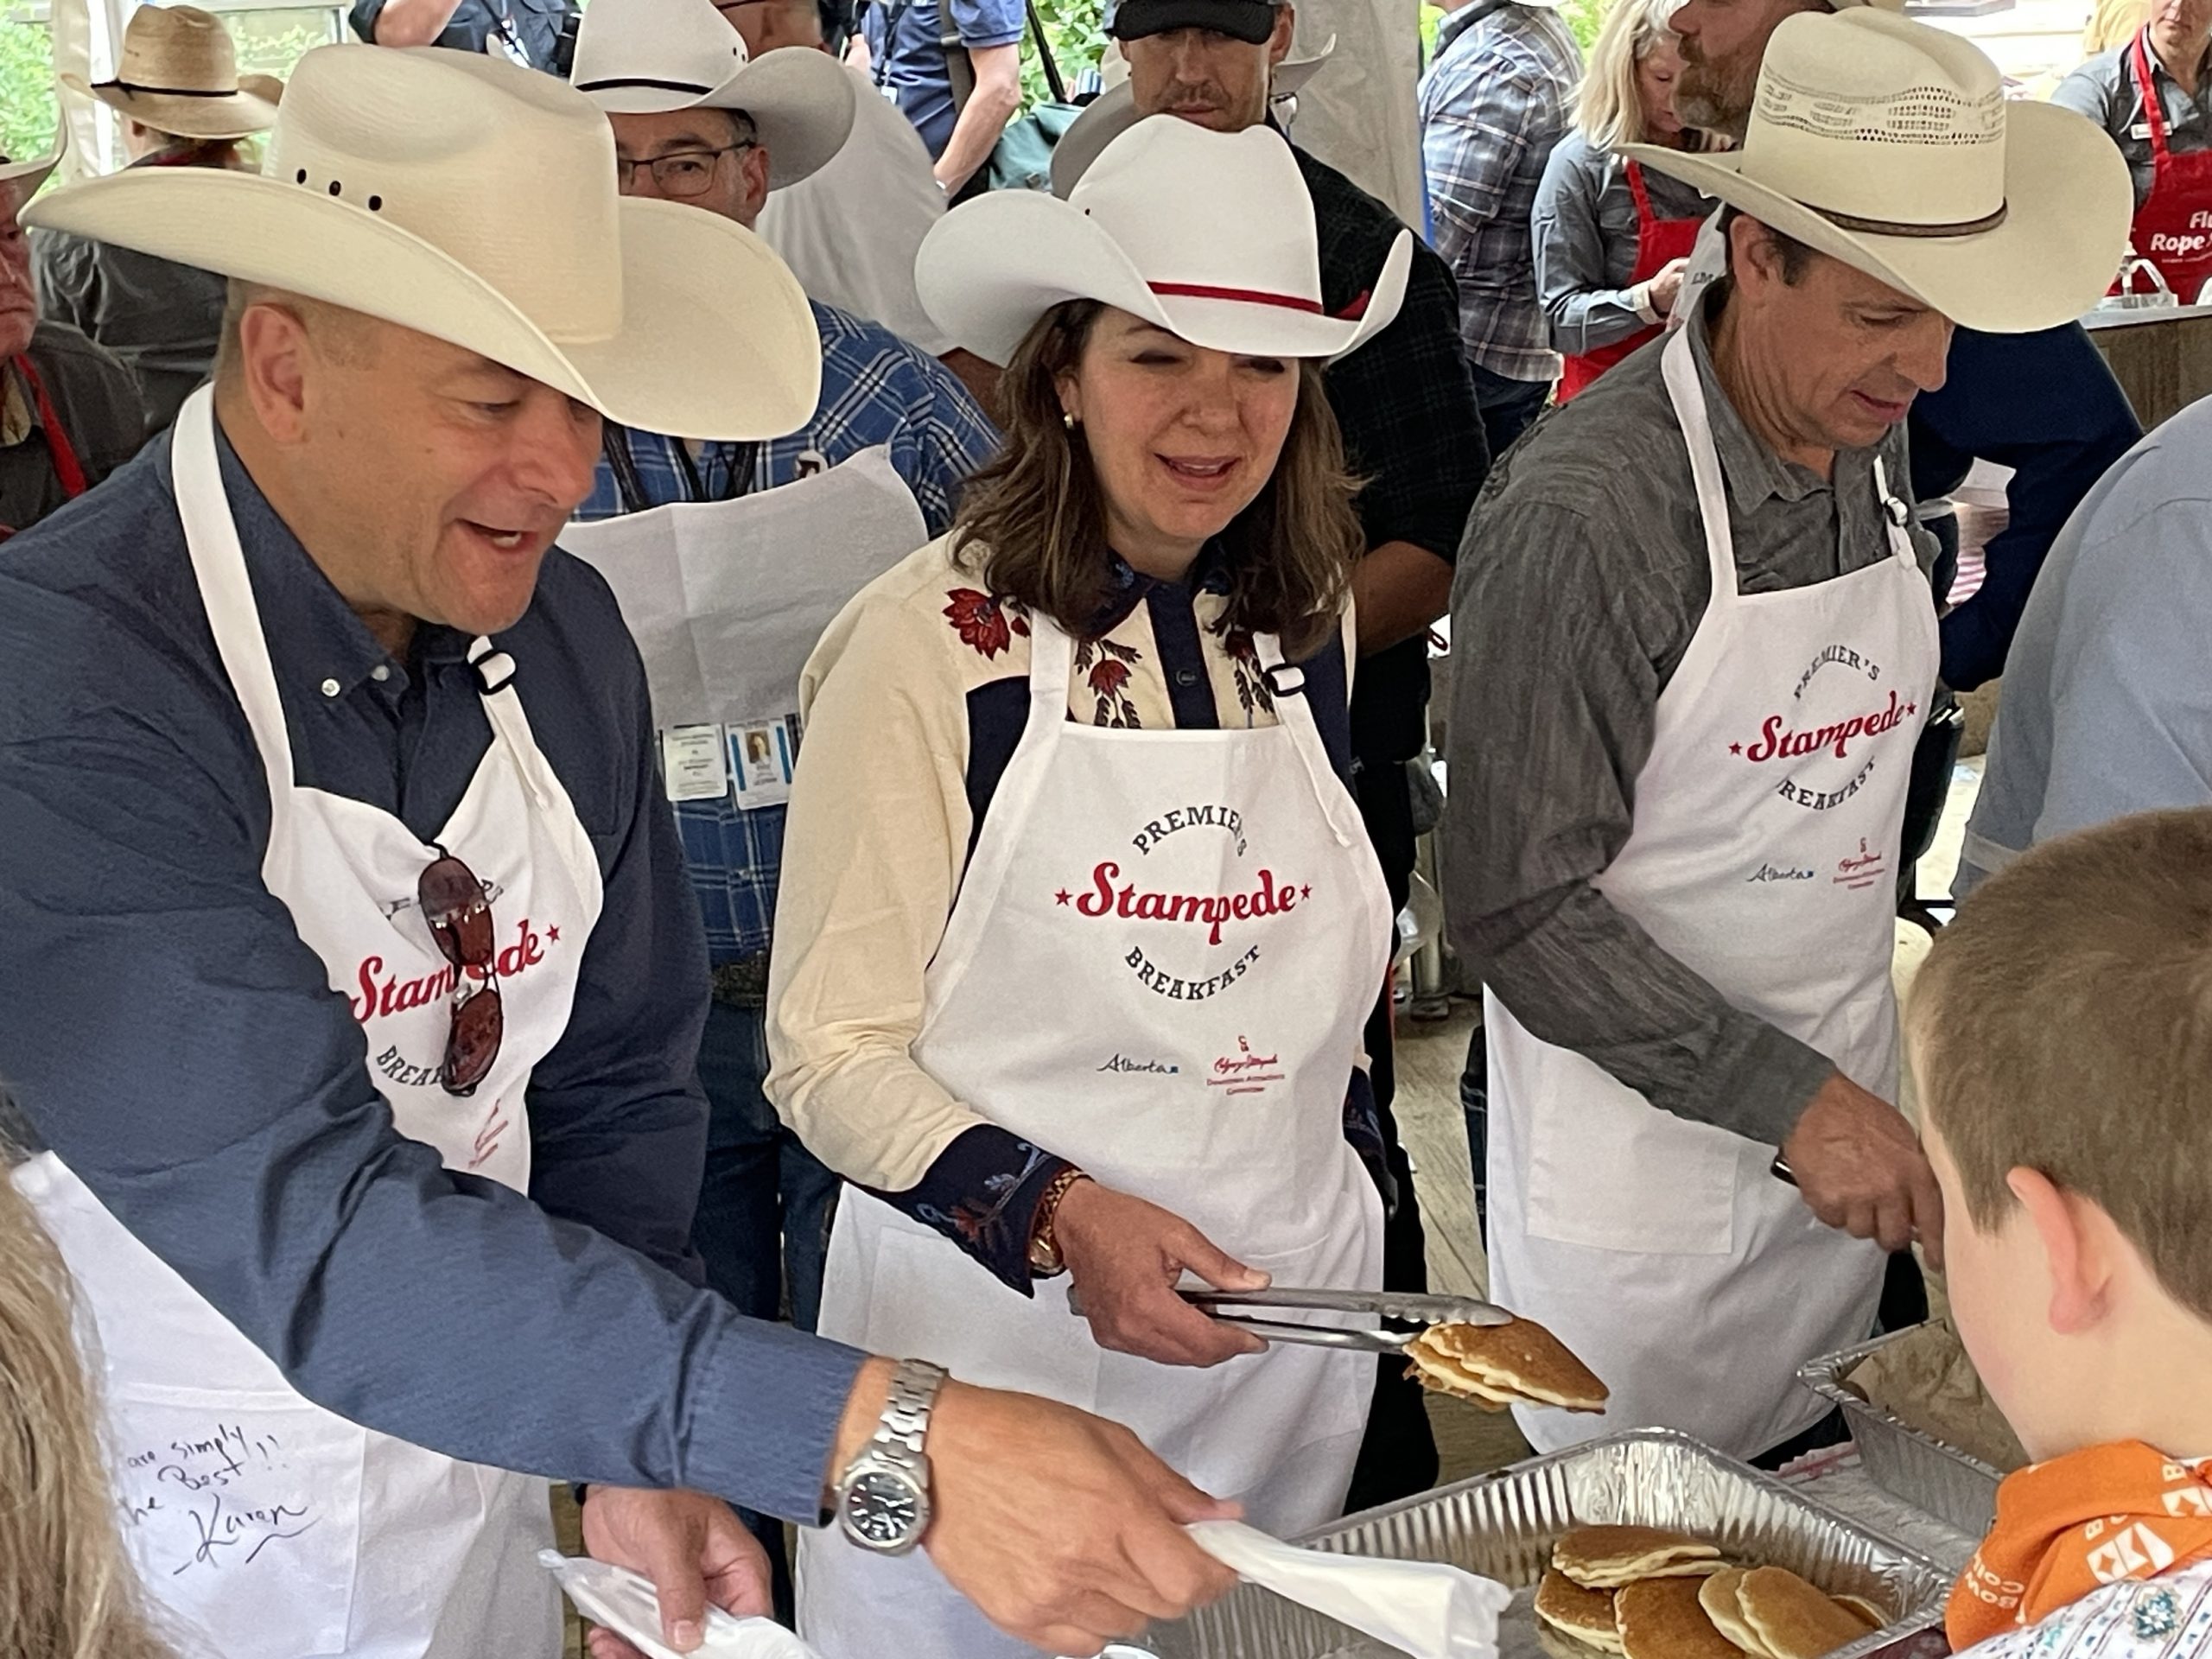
[(1032, 523), (66, 1590)]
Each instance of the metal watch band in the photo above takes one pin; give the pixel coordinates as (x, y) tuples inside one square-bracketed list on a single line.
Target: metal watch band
[(905, 1425)]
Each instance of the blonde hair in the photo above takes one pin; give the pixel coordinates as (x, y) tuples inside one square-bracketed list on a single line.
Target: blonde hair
[(66, 1590), (2114, 22), (2063, 1024), (1608, 110)]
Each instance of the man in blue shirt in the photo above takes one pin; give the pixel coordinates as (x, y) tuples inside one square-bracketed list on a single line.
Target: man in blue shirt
[(275, 832), (953, 68)]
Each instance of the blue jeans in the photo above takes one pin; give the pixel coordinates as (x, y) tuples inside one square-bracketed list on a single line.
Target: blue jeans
[(764, 1206), (1508, 406)]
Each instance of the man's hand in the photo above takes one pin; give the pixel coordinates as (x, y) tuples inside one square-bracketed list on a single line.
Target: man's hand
[(1860, 1166), (692, 1547), (1667, 286), (1113, 1555), (1126, 1256)]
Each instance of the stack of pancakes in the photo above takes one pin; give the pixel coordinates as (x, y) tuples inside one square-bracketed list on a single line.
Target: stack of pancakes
[(1495, 1365), (1648, 1594)]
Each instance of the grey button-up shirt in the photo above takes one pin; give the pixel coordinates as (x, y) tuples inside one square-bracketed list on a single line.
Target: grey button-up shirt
[(1586, 229), (2104, 90), (1581, 581)]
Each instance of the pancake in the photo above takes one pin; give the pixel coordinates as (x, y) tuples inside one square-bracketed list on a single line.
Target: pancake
[(1870, 1611), (1717, 1595), (1795, 1619), (1441, 1373), (1523, 1360), (1585, 1614), (1605, 1558), (1660, 1618)]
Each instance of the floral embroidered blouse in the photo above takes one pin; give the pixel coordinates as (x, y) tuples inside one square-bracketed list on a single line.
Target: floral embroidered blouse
[(913, 703)]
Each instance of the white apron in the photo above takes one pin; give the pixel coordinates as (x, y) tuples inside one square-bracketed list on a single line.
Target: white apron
[(1198, 1063), (266, 1527), (1663, 1251)]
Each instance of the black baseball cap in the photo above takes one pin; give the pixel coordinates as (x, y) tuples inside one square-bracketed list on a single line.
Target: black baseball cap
[(1251, 20)]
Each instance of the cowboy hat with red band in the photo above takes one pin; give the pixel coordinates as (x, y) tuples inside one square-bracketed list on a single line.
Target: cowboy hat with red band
[(1208, 234)]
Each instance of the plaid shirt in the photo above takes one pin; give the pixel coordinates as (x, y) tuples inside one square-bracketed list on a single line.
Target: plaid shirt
[(1492, 104), (877, 389)]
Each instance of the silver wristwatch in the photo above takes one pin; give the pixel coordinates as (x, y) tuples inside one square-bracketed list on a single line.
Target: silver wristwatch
[(883, 1499)]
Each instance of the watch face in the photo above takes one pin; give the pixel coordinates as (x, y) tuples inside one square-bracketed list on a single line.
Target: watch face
[(884, 1508)]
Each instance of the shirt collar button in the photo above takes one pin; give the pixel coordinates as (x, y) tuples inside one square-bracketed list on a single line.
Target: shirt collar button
[(330, 687)]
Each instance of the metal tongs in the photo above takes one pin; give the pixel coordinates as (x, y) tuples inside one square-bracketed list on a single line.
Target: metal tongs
[(1384, 1307)]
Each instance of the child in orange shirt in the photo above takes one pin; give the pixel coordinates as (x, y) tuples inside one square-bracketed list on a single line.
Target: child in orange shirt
[(2061, 1033)]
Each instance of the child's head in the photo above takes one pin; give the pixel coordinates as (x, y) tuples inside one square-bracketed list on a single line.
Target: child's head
[(2061, 1033)]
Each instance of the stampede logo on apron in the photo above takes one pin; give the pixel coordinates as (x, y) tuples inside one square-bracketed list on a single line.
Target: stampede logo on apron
[(1779, 738), (1106, 894)]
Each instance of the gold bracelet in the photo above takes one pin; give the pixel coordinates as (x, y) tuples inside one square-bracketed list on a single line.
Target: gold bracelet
[(1045, 1259)]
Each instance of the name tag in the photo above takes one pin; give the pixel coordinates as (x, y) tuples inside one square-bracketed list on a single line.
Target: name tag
[(762, 759), (2140, 132), (693, 762)]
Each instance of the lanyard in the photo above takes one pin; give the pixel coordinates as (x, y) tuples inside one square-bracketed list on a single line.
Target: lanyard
[(64, 454), (615, 440)]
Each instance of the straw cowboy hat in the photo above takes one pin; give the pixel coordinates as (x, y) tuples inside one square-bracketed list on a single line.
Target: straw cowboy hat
[(1210, 235), (649, 57), (180, 75), (1114, 111), (1891, 146), (464, 196)]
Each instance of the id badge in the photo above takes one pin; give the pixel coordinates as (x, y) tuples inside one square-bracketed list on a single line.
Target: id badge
[(761, 760), (693, 764)]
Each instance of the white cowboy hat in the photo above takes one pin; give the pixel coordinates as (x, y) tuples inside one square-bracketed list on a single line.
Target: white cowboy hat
[(1210, 235), (180, 75), (1114, 111), (648, 57), (1891, 146), (464, 196)]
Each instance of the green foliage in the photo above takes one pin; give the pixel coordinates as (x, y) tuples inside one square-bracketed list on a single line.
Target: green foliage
[(27, 112), (1584, 18), (1075, 30)]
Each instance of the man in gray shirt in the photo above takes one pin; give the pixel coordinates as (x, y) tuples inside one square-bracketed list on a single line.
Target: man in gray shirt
[(1696, 646), (2108, 689)]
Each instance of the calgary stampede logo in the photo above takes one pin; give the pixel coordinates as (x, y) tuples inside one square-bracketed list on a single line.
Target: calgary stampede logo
[(1185, 918), (1788, 737)]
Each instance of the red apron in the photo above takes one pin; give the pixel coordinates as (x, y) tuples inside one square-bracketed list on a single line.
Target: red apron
[(66, 468), (2173, 227), (1658, 241)]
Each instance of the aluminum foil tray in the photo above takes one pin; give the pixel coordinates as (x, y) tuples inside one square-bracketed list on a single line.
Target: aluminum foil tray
[(1504, 1525), (1954, 1487)]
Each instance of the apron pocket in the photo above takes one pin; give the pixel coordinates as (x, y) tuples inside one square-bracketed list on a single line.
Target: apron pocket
[(1609, 1171), (243, 1512), (929, 1301)]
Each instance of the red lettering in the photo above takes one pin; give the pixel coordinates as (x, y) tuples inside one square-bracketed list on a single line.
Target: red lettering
[(1101, 899), (1209, 911), (1770, 743), (371, 967)]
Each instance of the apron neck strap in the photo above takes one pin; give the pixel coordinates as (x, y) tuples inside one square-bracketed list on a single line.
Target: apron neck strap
[(1686, 393), (1897, 517), (66, 468), (2146, 82)]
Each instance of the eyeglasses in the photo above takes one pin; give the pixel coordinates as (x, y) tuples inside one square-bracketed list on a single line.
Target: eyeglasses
[(460, 916), (686, 173)]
